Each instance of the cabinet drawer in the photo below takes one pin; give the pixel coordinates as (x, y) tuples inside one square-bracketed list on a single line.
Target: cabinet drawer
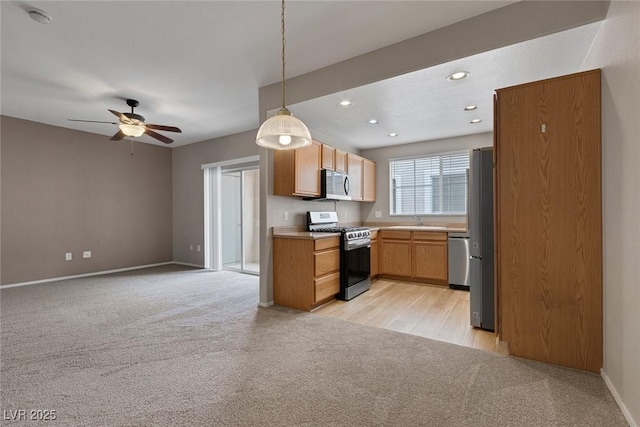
[(326, 262), (429, 235), (327, 286), (331, 242), (395, 234)]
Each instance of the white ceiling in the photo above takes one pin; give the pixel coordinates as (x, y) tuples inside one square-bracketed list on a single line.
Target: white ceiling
[(424, 105), (198, 65)]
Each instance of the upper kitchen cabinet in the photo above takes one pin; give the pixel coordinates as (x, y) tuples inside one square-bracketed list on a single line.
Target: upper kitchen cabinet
[(368, 180), (328, 157), (549, 220), (341, 160), (297, 172), (354, 168)]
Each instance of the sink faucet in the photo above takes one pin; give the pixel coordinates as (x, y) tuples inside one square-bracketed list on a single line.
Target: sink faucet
[(417, 218)]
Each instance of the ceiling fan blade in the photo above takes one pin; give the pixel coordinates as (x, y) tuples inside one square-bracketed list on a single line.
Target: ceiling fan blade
[(122, 117), (91, 121), (157, 136), (161, 127), (118, 136)]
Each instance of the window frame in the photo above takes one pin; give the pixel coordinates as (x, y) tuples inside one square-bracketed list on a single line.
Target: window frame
[(424, 156)]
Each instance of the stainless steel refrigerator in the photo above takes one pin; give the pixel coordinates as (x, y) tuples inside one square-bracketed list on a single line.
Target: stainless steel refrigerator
[(481, 280)]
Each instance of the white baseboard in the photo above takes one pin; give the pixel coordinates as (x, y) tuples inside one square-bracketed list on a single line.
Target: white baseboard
[(616, 396), (188, 264), (97, 273), (265, 304)]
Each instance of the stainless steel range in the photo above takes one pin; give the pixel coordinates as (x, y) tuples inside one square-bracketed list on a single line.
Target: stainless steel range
[(355, 252)]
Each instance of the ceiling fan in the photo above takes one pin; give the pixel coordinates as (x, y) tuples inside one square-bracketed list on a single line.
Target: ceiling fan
[(132, 124)]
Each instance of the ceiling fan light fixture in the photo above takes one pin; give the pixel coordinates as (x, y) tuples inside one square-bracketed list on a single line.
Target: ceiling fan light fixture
[(283, 131), (131, 130)]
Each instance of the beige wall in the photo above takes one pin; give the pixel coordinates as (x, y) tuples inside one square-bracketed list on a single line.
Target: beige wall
[(617, 51), (70, 191), (188, 188), (382, 155)]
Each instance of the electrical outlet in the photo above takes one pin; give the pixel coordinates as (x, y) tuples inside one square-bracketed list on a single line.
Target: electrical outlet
[(198, 248), (378, 214), (345, 214), (68, 256), (86, 254), (285, 216)]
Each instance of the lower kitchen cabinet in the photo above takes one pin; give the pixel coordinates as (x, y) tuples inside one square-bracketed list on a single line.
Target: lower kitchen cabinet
[(414, 255), (306, 272), (395, 253), (430, 256)]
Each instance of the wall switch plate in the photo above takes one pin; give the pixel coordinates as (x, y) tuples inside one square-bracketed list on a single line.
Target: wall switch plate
[(68, 256), (285, 216), (378, 214), (191, 248), (345, 215), (86, 254), (198, 248)]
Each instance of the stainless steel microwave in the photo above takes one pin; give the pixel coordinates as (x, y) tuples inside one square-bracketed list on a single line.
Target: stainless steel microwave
[(333, 186)]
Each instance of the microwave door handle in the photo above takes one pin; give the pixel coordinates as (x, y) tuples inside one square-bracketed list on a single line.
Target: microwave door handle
[(346, 185)]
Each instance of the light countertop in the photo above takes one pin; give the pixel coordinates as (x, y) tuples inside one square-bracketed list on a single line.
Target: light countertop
[(297, 232)]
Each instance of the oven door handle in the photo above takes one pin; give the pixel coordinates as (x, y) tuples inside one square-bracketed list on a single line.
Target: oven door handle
[(355, 246)]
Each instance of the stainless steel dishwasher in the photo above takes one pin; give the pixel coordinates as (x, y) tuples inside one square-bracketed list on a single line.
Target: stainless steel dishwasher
[(459, 261)]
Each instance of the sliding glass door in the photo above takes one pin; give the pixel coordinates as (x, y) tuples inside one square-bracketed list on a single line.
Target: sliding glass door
[(240, 219)]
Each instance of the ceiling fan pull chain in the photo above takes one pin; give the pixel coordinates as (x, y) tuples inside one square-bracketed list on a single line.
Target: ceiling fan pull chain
[(131, 139)]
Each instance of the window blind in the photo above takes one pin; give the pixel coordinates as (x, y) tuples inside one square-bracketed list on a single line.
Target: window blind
[(431, 185)]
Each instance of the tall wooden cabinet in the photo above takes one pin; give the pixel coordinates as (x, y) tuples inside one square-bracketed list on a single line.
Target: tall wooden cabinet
[(548, 220)]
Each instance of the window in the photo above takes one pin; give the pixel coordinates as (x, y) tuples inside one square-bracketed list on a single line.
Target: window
[(431, 185)]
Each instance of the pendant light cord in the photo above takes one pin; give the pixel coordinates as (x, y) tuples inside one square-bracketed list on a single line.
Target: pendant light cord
[(283, 60)]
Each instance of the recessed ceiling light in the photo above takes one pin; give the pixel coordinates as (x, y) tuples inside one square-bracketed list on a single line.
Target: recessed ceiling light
[(475, 121), (458, 75), (470, 107), (393, 134), (345, 103), (39, 15), (372, 122)]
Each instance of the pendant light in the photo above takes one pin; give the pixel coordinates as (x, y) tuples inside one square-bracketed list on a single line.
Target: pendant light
[(283, 131)]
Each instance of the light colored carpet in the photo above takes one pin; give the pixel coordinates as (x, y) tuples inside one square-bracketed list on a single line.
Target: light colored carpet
[(174, 346)]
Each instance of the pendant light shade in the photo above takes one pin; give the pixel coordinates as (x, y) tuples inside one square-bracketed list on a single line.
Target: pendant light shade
[(283, 131)]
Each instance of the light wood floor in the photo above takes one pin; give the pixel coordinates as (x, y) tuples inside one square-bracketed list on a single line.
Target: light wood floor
[(429, 311)]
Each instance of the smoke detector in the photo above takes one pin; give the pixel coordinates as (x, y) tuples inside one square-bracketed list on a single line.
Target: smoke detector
[(39, 15)]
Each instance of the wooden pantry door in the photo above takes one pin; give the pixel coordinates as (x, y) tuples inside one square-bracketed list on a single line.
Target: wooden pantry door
[(549, 226)]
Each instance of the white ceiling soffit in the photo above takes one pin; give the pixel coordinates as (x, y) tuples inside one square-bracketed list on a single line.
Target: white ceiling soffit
[(424, 105), (196, 65)]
